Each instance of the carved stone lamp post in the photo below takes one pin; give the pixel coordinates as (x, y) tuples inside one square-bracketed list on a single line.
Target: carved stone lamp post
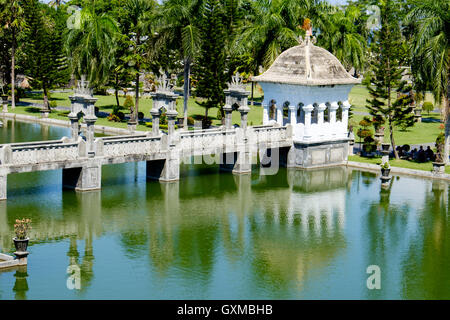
[(236, 95), (5, 103), (164, 97)]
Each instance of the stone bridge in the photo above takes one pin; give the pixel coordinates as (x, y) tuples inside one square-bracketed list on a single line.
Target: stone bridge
[(81, 160)]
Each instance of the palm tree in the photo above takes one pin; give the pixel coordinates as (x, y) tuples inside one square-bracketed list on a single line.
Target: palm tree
[(431, 52), (178, 29), (12, 17), (274, 26), (91, 44), (141, 14), (343, 39)]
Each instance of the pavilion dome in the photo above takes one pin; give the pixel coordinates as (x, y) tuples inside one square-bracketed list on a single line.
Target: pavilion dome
[(309, 65)]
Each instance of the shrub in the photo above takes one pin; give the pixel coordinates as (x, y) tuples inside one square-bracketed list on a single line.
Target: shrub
[(114, 118), (140, 115), (163, 119), (406, 147), (219, 115), (96, 110), (121, 115), (52, 104), (190, 121), (427, 107), (128, 104)]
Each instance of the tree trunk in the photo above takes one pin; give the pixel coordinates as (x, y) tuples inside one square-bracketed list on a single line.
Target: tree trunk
[(391, 132), (447, 124), (46, 104), (187, 73), (116, 91), (13, 74), (136, 108), (253, 89)]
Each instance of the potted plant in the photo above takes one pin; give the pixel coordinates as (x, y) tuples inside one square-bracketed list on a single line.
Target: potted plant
[(385, 169), (21, 229), (439, 164)]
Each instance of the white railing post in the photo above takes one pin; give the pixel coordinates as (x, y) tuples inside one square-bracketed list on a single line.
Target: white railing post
[(308, 109)]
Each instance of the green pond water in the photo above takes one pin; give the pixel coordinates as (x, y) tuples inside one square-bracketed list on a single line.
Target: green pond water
[(294, 235)]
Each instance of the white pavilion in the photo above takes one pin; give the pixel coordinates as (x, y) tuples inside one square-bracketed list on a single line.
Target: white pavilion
[(308, 88)]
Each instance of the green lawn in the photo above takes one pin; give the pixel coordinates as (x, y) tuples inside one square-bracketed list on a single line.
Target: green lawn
[(105, 103), (425, 166), (424, 132)]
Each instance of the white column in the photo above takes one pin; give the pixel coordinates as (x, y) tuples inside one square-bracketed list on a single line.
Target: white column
[(345, 106), (266, 114), (333, 107), (280, 115), (307, 109), (320, 109), (293, 114)]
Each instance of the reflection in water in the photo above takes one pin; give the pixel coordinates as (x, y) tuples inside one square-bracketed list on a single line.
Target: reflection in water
[(21, 284), (298, 234), (429, 253)]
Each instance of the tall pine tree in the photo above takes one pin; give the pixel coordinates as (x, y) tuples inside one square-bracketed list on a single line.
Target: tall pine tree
[(385, 76), (45, 63), (210, 69)]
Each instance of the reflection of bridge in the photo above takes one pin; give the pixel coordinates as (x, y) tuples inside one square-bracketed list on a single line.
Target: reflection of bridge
[(288, 222)]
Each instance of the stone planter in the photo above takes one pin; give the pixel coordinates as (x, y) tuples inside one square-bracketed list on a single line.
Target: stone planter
[(385, 146), (438, 167), (21, 244)]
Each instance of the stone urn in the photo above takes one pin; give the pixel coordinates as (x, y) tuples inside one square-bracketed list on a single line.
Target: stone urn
[(21, 244), (385, 172), (385, 146), (438, 167)]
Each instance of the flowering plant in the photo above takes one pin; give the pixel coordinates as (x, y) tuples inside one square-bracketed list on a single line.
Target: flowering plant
[(22, 227)]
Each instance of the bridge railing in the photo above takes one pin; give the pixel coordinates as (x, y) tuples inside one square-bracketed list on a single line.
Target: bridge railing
[(270, 134), (130, 145), (42, 152), (207, 140)]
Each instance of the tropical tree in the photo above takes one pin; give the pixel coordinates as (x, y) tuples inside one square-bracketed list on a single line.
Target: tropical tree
[(430, 20), (210, 69), (90, 45), (140, 16), (343, 37), (385, 74), (178, 28), (12, 18)]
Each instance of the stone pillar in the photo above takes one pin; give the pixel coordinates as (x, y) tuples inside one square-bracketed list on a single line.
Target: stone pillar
[(244, 110), (155, 121), (5, 103), (307, 109), (171, 117), (280, 115), (3, 186), (85, 178), (74, 127), (243, 163), (333, 108), (293, 114), (345, 107), (320, 109), (228, 111)]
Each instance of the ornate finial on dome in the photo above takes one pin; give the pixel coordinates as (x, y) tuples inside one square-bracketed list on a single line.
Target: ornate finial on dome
[(164, 83), (236, 82)]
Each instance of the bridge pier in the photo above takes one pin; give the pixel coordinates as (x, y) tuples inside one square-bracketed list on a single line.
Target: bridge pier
[(165, 170), (84, 178), (3, 186), (237, 162)]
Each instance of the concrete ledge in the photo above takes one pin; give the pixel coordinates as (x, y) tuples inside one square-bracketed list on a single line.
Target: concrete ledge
[(61, 123), (396, 170), (5, 257)]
